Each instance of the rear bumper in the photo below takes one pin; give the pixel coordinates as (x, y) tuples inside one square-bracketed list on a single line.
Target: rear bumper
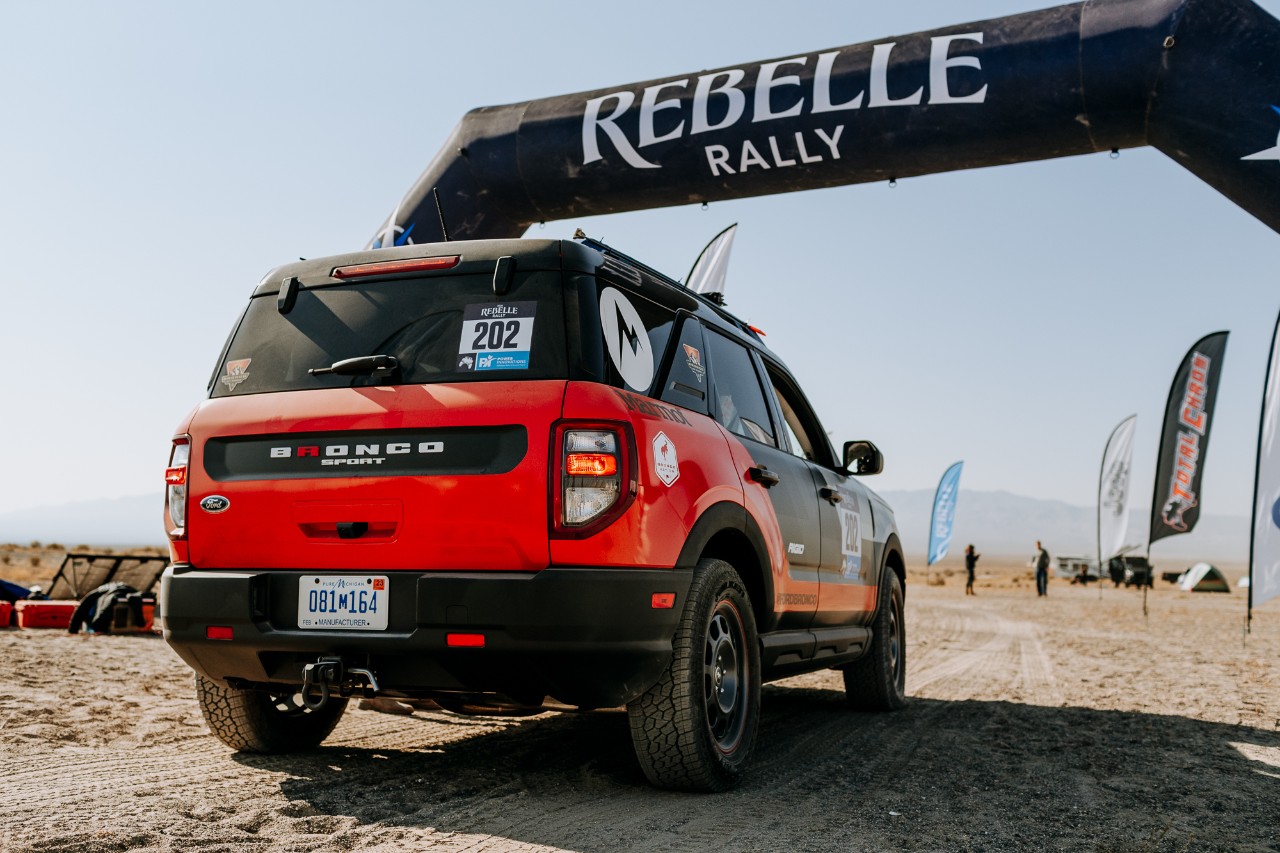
[(584, 636)]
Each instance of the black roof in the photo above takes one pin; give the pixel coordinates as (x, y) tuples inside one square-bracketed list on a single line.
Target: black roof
[(475, 256)]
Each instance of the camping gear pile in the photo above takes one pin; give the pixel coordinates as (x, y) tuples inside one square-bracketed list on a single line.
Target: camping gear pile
[(97, 593)]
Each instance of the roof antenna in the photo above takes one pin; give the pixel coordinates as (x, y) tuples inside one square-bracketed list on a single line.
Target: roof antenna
[(435, 193)]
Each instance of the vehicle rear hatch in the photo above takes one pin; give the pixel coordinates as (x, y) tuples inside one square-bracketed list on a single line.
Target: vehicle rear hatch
[(437, 464)]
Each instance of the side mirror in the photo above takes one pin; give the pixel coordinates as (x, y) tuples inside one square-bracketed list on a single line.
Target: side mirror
[(863, 457)]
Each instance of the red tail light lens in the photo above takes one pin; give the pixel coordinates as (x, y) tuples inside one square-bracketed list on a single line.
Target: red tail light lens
[(591, 465), (594, 478), (397, 267), (175, 499)]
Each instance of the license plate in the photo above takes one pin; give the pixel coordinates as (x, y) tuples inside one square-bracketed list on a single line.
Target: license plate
[(343, 602)]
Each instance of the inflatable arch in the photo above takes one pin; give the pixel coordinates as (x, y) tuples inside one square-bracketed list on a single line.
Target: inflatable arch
[(1197, 79)]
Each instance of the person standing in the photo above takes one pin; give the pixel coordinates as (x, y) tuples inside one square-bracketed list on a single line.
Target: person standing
[(1042, 570), (970, 563)]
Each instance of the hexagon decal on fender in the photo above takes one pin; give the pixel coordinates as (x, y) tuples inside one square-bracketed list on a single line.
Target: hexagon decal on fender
[(665, 462)]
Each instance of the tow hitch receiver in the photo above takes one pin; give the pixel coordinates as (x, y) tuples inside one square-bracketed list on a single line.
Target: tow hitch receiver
[(327, 676)]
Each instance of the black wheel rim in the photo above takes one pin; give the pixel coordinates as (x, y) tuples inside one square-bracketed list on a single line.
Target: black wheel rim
[(725, 677), (896, 641)]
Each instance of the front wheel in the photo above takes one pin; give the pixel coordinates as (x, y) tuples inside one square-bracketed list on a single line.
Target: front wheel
[(250, 721), (878, 681), (694, 729)]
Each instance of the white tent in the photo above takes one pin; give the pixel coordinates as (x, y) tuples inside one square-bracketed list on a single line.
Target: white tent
[(1203, 577)]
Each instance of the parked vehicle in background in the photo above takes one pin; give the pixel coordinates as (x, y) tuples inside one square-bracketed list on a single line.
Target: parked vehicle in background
[(1137, 570), (1077, 569)]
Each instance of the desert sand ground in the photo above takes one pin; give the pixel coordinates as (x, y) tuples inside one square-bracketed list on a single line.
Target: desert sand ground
[(1065, 723)]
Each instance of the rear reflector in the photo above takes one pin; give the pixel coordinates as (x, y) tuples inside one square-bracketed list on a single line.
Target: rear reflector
[(591, 464), (219, 632), (176, 475), (394, 267), (663, 600), (464, 641)]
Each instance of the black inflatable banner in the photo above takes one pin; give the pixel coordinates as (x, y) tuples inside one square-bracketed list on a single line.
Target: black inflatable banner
[(1184, 441), (1197, 79)]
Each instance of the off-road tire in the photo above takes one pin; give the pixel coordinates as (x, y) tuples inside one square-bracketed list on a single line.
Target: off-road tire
[(877, 682), (250, 721), (694, 730)]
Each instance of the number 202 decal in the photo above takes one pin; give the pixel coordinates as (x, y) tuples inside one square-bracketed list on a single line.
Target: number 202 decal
[(496, 335)]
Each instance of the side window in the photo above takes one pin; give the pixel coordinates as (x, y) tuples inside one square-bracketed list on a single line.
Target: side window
[(686, 382), (635, 332), (739, 401), (800, 425)]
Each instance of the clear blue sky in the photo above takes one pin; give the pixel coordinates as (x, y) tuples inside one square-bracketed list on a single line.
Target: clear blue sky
[(157, 159)]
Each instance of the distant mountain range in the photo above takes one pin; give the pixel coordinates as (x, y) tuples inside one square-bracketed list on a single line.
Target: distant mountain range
[(998, 523), (126, 522), (1001, 523)]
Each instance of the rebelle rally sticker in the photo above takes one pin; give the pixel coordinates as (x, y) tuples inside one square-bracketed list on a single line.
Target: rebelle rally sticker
[(496, 337), (665, 462)]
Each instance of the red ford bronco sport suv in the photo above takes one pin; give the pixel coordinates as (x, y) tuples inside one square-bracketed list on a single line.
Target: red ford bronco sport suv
[(501, 473)]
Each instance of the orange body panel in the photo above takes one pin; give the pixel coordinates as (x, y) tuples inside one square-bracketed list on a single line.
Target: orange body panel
[(654, 528), (477, 522)]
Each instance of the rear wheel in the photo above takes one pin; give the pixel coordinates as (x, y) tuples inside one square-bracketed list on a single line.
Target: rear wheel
[(694, 729), (878, 681), (250, 721)]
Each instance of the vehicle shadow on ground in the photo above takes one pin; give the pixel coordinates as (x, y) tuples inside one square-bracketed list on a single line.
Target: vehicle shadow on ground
[(956, 775)]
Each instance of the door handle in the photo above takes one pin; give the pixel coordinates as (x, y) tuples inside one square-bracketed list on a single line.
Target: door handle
[(829, 494), (763, 476)]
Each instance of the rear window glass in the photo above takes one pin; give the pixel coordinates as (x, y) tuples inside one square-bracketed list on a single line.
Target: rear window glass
[(439, 329)]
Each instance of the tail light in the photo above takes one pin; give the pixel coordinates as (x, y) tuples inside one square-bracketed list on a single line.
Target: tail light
[(594, 480), (175, 478)]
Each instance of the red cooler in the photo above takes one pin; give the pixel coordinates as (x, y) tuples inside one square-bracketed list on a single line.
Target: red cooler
[(45, 614)]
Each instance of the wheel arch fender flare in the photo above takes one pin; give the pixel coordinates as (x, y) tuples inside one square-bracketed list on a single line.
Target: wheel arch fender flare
[(893, 559), (728, 532)]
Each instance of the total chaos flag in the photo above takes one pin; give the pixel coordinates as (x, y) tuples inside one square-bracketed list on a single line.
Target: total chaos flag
[(1184, 442), (944, 513)]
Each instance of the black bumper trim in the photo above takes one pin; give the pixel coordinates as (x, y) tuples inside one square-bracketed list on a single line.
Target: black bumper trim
[(584, 636)]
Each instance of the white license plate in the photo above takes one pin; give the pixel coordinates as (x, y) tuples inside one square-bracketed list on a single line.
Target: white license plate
[(343, 602)]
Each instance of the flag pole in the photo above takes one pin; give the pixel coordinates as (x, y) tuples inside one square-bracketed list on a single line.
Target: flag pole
[(1257, 478)]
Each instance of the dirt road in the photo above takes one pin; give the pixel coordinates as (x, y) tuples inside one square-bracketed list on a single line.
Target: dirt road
[(1068, 723)]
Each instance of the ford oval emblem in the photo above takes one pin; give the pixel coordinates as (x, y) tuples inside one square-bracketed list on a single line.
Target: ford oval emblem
[(215, 504)]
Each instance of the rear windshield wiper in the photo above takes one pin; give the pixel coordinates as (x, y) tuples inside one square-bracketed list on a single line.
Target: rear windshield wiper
[(377, 364)]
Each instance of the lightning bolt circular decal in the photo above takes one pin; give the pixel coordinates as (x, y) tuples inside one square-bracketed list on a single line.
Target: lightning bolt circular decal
[(626, 339)]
